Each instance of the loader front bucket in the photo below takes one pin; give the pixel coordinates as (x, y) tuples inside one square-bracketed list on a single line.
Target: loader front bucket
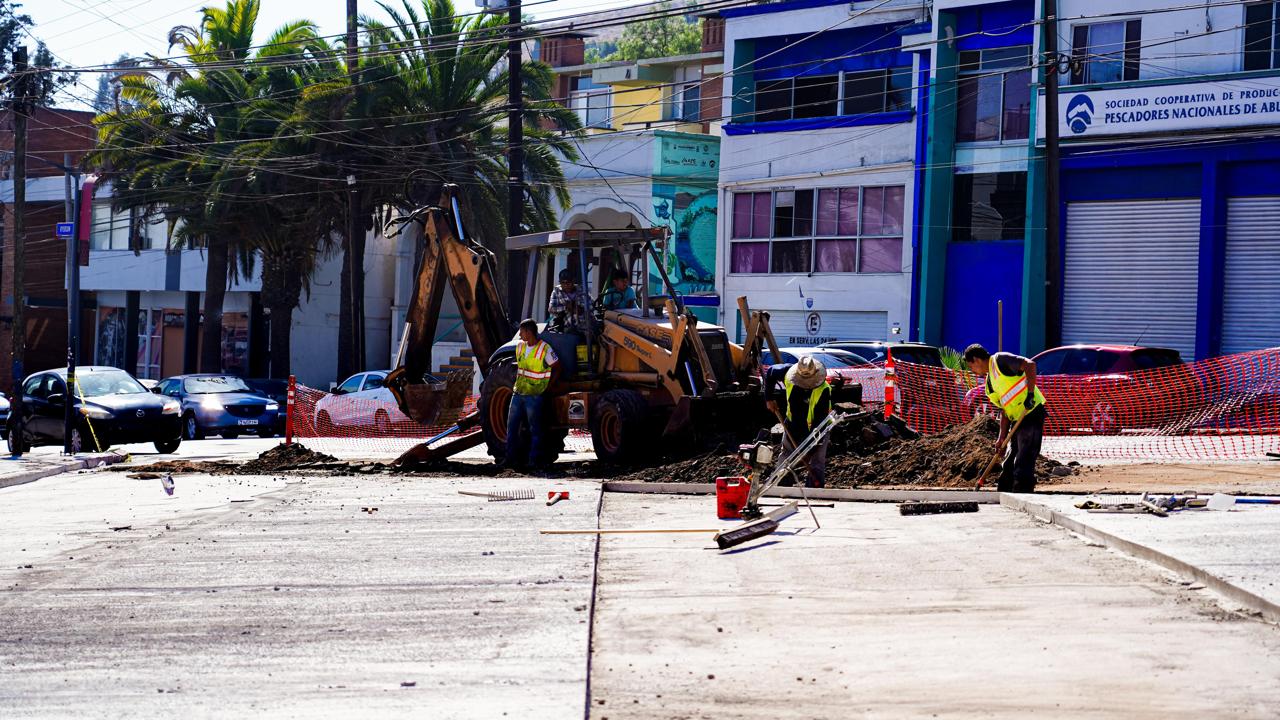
[(741, 414), (438, 403)]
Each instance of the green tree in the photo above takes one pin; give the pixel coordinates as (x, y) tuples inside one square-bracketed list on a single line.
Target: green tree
[(659, 37), (15, 29)]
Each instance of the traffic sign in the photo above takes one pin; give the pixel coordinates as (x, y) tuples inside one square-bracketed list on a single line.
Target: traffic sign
[(65, 229)]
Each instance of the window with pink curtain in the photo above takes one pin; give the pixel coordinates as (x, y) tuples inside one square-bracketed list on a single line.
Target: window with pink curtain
[(880, 255), (837, 256), (848, 215), (742, 215), (749, 257), (761, 215), (873, 211), (828, 208)]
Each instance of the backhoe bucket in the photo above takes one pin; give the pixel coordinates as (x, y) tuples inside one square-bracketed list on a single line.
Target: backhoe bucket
[(438, 403), (739, 413)]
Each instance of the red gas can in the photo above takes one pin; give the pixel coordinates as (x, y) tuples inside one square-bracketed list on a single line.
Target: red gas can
[(731, 495)]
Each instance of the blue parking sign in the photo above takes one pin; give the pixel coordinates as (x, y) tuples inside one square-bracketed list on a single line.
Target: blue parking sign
[(65, 229)]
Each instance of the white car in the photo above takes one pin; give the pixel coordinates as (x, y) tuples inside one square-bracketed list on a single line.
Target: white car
[(362, 400)]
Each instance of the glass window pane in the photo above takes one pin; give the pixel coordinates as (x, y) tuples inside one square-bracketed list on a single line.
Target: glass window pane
[(750, 257), (990, 206), (987, 108), (792, 256), (816, 96), (837, 256), (598, 110), (691, 104), (1016, 118), (970, 60), (891, 219), (967, 109), (1003, 58), (773, 101), (873, 211), (828, 202), (760, 214), (1106, 53), (784, 202), (900, 86), (804, 213), (848, 215), (881, 255), (1257, 36), (742, 215), (864, 92)]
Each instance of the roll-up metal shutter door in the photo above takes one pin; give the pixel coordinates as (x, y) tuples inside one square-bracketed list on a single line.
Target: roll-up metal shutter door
[(813, 327), (1251, 282), (1130, 273)]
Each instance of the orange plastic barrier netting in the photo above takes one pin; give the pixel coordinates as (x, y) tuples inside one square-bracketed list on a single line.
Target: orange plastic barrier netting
[(363, 427), (1224, 408)]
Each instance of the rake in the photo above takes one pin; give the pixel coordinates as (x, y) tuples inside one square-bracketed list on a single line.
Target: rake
[(501, 495)]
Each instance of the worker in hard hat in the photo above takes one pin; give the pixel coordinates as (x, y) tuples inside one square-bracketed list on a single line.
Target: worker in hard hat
[(801, 388), (1010, 383), (567, 309), (537, 367)]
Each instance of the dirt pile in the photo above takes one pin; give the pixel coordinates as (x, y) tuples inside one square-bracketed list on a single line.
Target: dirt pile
[(285, 457), (866, 451)]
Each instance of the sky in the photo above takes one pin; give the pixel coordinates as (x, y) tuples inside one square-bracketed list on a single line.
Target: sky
[(93, 32)]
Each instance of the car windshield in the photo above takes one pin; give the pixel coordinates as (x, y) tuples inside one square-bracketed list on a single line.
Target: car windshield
[(98, 384), (831, 360), (918, 355), (1088, 362), (219, 384)]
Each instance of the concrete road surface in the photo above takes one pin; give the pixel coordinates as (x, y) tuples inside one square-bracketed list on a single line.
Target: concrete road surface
[(881, 616)]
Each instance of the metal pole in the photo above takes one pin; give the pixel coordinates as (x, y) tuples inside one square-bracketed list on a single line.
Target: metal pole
[(19, 325), (515, 150), (73, 311), (1052, 250), (355, 248)]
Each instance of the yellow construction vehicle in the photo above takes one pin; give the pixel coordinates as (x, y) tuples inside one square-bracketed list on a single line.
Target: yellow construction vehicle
[(630, 376)]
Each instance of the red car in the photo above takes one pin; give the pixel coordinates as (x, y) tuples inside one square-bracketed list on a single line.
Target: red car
[(1104, 389)]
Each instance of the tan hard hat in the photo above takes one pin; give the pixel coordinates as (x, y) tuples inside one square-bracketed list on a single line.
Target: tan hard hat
[(807, 374)]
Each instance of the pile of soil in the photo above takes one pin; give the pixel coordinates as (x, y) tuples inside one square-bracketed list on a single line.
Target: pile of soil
[(285, 457), (865, 451), (281, 459)]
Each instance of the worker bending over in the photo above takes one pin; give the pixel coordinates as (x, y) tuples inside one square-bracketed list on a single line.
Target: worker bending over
[(807, 397), (620, 295), (537, 367), (568, 306), (1011, 386)]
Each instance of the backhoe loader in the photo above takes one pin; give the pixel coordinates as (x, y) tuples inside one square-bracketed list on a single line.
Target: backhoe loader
[(638, 379)]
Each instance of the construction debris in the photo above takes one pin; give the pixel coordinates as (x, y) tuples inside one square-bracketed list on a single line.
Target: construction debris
[(555, 496), (936, 508)]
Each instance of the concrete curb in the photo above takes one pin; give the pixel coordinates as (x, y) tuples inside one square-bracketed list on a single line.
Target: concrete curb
[(51, 470), (1269, 610), (990, 498)]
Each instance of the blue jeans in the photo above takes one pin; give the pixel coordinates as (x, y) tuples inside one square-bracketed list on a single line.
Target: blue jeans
[(526, 409)]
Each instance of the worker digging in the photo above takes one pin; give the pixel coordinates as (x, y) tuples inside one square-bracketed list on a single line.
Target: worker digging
[(806, 395), (1010, 383)]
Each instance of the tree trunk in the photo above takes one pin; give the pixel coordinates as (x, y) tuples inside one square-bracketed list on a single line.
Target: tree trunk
[(215, 293), (351, 298), (281, 293)]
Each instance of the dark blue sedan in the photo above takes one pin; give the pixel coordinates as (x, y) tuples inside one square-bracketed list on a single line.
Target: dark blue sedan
[(221, 404)]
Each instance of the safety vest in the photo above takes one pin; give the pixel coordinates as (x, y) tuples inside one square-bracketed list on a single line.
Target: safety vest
[(1008, 392), (814, 397), (533, 373)]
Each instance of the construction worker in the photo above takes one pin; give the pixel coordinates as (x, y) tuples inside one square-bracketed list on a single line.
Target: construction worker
[(537, 367), (568, 305), (807, 397), (1010, 382), (620, 295)]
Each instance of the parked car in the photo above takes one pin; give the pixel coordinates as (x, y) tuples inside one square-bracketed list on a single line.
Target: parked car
[(277, 390), (844, 370), (873, 351), (1101, 389), (4, 416), (362, 400), (221, 404), (109, 407)]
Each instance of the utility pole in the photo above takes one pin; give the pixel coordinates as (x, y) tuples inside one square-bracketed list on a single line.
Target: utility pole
[(71, 205), (1052, 249), (355, 227), (20, 106), (515, 156)]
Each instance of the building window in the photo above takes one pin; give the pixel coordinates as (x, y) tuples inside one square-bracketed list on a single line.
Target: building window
[(990, 206), (110, 229), (1261, 50), (590, 101), (828, 230), (844, 93), (994, 91), (686, 103), (1106, 52)]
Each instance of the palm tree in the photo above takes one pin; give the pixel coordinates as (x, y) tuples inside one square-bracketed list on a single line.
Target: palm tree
[(178, 145)]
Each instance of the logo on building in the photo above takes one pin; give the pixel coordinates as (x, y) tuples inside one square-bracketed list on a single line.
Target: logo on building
[(813, 323), (1080, 113)]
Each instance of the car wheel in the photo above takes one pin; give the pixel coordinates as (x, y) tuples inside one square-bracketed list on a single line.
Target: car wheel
[(82, 441), (1105, 418), (266, 432), (324, 425), (164, 447), (230, 434), (191, 428), (381, 424), (18, 444)]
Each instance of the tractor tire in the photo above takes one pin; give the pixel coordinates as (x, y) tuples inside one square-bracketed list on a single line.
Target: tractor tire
[(620, 428), (494, 402)]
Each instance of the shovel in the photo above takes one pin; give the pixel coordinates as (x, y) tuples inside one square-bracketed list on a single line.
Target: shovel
[(999, 453)]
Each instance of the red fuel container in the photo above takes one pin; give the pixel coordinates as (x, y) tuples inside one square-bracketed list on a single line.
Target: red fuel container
[(731, 495)]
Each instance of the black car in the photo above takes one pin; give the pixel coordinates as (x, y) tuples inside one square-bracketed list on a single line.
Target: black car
[(109, 407)]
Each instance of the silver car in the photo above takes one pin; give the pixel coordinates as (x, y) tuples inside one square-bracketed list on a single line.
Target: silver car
[(221, 404)]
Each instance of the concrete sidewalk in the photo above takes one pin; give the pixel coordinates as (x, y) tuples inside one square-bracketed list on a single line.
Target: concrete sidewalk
[(1236, 553), (990, 614), (44, 462)]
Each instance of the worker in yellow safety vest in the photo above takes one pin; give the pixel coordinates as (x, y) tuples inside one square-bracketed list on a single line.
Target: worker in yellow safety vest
[(807, 397), (537, 367), (1010, 384)]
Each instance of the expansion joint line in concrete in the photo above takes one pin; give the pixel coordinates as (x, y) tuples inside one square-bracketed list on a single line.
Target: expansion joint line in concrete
[(1269, 610), (591, 607)]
